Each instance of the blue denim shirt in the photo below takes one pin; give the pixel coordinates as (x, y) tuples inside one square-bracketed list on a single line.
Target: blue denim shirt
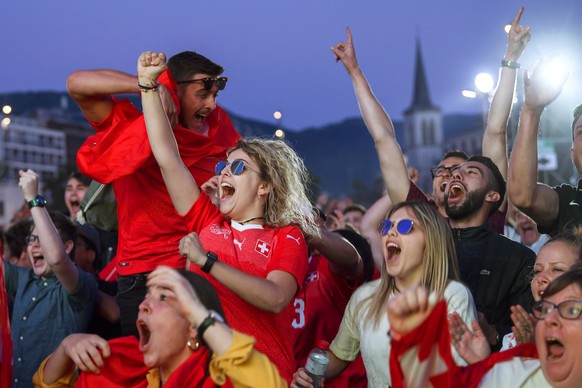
[(44, 313)]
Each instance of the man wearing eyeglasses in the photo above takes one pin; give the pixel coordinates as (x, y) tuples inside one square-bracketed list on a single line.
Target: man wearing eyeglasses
[(494, 268), (53, 298), (399, 186), (119, 153)]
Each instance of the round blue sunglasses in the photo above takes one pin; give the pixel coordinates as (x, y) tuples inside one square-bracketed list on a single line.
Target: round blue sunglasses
[(237, 167), (404, 226)]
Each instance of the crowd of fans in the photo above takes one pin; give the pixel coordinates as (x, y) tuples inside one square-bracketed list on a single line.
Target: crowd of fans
[(223, 272)]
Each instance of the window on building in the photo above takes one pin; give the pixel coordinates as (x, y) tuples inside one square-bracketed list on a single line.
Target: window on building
[(431, 134)]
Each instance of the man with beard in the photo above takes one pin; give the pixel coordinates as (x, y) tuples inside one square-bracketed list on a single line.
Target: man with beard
[(394, 171), (120, 153), (495, 268)]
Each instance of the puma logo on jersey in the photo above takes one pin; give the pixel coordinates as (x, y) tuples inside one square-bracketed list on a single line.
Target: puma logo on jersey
[(215, 229), (296, 239), (239, 243)]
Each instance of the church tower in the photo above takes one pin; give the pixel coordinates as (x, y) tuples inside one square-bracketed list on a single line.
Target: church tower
[(423, 124)]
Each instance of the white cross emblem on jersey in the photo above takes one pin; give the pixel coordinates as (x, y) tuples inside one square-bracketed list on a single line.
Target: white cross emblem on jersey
[(313, 276), (263, 248)]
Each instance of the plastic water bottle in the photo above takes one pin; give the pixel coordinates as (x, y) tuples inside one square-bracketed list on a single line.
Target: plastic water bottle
[(317, 363)]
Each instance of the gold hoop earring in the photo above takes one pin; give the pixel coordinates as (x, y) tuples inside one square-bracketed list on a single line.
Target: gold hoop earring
[(193, 344)]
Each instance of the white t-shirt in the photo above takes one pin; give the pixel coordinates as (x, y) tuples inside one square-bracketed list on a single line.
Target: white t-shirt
[(355, 335), (517, 372)]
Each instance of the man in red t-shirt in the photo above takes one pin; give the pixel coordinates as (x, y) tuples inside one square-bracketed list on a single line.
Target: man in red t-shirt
[(336, 269), (119, 153)]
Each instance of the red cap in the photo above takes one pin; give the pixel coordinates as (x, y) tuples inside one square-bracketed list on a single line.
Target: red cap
[(323, 344)]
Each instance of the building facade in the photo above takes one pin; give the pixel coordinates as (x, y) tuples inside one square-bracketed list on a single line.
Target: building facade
[(423, 127), (24, 144)]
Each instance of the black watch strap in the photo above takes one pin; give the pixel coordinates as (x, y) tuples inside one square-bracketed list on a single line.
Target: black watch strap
[(205, 324), (211, 258), (37, 201)]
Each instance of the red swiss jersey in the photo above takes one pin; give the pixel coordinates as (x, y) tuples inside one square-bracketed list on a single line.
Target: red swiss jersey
[(149, 227), (317, 313), (256, 250)]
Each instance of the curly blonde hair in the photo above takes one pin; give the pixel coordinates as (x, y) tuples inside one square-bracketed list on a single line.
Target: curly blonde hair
[(287, 202)]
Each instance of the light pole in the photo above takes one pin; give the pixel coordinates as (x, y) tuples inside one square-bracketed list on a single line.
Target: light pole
[(279, 132), (6, 110), (483, 86)]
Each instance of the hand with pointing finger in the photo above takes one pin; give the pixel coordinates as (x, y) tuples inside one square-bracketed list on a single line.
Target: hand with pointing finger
[(344, 51)]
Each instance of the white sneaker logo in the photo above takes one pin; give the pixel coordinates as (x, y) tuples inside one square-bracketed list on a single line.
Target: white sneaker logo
[(574, 203)]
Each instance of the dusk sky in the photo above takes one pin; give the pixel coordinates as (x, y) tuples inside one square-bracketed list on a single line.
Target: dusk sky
[(276, 53)]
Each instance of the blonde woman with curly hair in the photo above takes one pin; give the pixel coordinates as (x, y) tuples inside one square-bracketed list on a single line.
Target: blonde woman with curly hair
[(418, 250), (251, 247)]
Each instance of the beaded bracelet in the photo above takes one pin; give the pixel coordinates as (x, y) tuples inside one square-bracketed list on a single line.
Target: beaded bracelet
[(147, 88)]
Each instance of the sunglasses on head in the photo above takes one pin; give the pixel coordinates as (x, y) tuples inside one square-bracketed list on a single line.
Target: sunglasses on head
[(237, 167), (404, 226), (208, 82)]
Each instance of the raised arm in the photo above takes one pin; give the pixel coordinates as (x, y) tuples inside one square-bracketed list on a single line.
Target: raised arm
[(92, 90), (369, 227), (54, 251), (342, 256), (179, 181), (535, 199), (494, 137), (378, 123)]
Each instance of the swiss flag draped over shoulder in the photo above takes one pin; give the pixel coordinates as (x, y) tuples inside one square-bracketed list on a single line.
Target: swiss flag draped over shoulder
[(121, 146), (5, 339), (125, 368), (422, 358)]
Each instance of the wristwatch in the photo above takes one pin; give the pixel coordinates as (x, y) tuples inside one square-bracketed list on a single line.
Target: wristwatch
[(212, 317), (37, 201), (211, 258)]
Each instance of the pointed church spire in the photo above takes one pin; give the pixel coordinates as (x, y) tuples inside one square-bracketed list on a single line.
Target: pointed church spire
[(420, 98)]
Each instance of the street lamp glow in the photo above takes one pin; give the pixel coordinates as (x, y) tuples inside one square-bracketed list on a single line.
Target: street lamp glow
[(469, 93), (5, 122), (555, 70), (277, 115), (279, 133), (6, 109), (484, 83)]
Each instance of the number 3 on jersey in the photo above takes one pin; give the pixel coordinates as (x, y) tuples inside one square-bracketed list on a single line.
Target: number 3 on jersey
[(299, 320)]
